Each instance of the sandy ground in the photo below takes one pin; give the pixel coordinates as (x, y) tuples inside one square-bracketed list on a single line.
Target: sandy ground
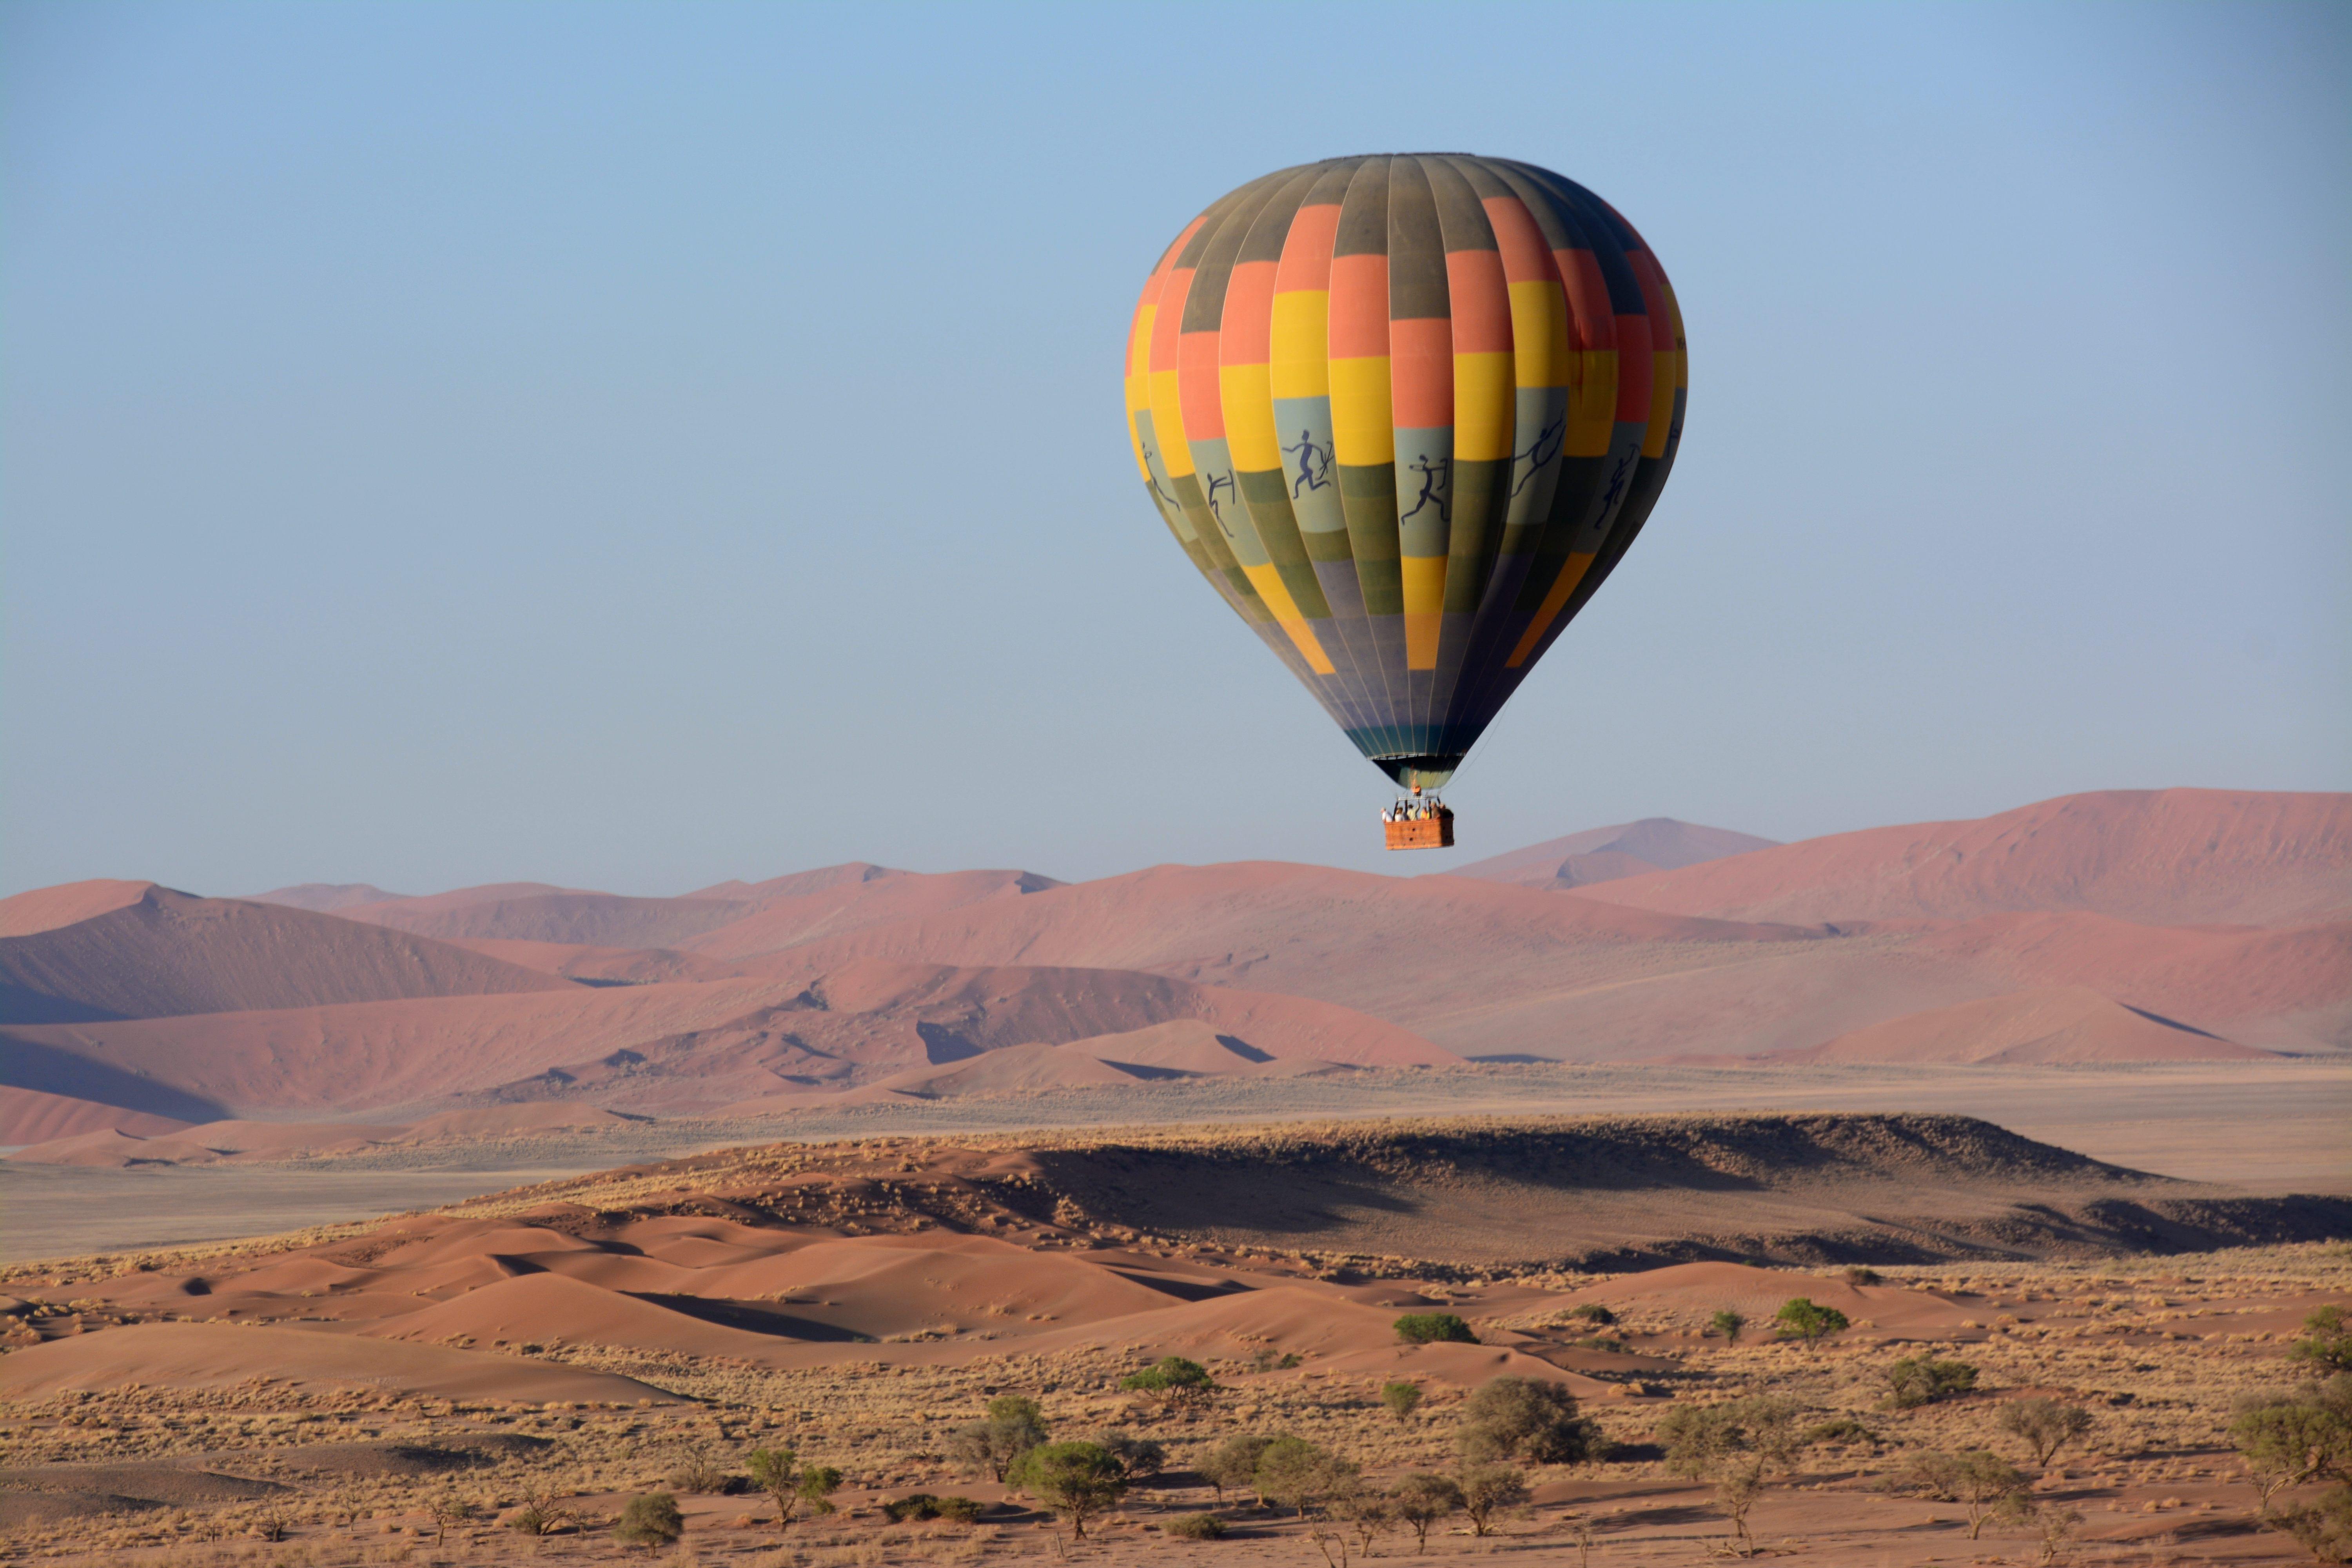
[(2265, 1127)]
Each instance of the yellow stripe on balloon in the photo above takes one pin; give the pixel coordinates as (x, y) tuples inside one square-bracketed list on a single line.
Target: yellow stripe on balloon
[(1424, 606), (1593, 404), (1571, 573), (1302, 343), (1539, 334), (1484, 407), (1270, 587), (1168, 424), (1247, 391), (1362, 435)]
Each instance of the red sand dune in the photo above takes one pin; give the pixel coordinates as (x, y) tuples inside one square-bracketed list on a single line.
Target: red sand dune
[(577, 960), (116, 1151), (325, 897), (167, 952), (1606, 854), (67, 903), (494, 1119), (540, 1308), (2179, 857), (792, 910), (29, 1116), (691, 1046), (2062, 1023), (224, 1355)]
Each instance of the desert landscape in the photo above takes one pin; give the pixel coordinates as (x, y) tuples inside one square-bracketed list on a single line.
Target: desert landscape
[(1303, 1211)]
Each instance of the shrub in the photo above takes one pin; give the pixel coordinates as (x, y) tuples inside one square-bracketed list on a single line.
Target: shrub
[(449, 1509), (1841, 1429), (1923, 1379), (1421, 1499), (796, 1489), (1013, 1426), (923, 1505), (1402, 1398), (2044, 1426), (1488, 1490), (541, 1514), (1727, 1323), (1518, 1417), (1982, 1483), (1172, 1380), (1197, 1526), (1077, 1481), (2324, 1528), (1736, 1493), (1231, 1465), (697, 1471), (1593, 1313), (1303, 1476), (1861, 1274), (1430, 1328), (2326, 1342), (1802, 1319), (649, 1521)]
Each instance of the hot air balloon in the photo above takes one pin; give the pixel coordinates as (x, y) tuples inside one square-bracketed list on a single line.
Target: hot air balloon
[(1406, 414)]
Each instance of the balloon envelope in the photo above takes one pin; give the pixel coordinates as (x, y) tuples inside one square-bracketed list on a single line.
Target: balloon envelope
[(1406, 414)]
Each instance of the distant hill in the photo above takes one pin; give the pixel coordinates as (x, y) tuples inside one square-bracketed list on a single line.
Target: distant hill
[(1607, 853), (166, 953), (325, 897), (2176, 856)]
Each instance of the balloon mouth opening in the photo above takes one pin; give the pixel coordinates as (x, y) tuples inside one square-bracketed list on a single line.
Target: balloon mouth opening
[(1419, 773)]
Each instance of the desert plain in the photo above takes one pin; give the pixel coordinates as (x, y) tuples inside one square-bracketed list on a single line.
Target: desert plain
[(344, 1227)]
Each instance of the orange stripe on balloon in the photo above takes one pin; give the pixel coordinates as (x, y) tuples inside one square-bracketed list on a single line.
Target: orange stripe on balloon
[(1481, 301), (1519, 242), (1359, 305), (1197, 386), (1421, 370), (1307, 249), (1248, 333), (1634, 369)]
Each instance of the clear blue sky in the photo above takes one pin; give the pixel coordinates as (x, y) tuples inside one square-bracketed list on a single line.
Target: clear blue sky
[(635, 446)]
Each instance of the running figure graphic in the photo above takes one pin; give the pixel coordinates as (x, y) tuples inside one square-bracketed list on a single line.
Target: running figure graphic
[(1616, 482), (1220, 482), (1432, 483), (1151, 475), (1314, 463), (1546, 447)]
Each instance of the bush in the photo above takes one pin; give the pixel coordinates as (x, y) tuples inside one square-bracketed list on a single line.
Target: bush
[(1077, 1481), (1431, 1327), (1172, 1380), (2044, 1426), (1593, 1313), (649, 1521), (2326, 1342), (1518, 1417), (1013, 1426), (540, 1514), (697, 1471), (1923, 1379), (1860, 1274), (1197, 1526), (1421, 1499), (1231, 1465), (1402, 1398), (1488, 1490), (1301, 1475), (1727, 1323), (1802, 1319), (1844, 1429), (923, 1505)]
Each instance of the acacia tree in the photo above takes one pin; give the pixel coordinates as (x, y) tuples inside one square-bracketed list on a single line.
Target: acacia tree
[(1727, 1323), (1518, 1417), (1013, 1426), (1421, 1499), (1303, 1476), (796, 1489), (1078, 1480), (1486, 1490), (1980, 1482), (1803, 1319), (1232, 1464), (2044, 1426)]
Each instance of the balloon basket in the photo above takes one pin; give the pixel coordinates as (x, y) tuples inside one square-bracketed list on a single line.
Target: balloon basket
[(1434, 831)]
